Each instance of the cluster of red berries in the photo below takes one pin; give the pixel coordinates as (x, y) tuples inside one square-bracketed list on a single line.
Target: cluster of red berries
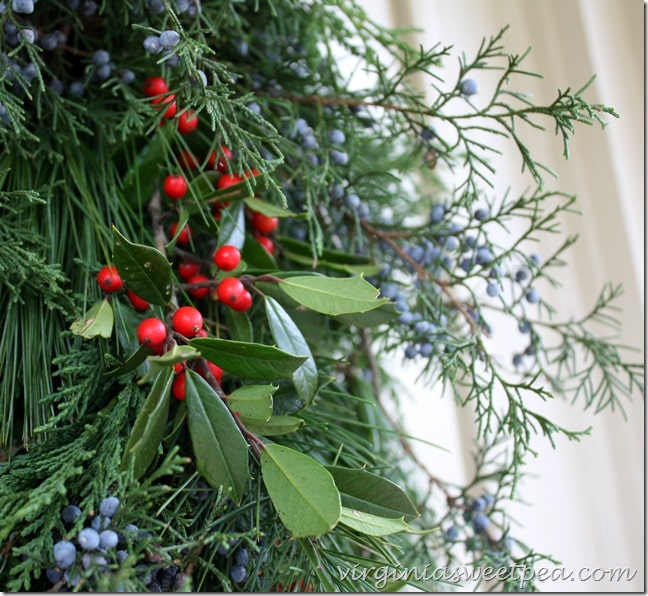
[(110, 281)]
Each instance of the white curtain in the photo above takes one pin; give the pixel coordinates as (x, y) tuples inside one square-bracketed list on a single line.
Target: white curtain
[(584, 500)]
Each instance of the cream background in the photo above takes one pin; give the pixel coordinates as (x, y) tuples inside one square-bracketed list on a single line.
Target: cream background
[(585, 501)]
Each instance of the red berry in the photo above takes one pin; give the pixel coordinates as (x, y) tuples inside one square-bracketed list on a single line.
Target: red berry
[(175, 186), (244, 303), (227, 257), (138, 303), (155, 86), (228, 180), (172, 108), (188, 269), (251, 173), (198, 292), (179, 386), (225, 156), (187, 160), (184, 237), (178, 367), (187, 122), (263, 223), (108, 279), (187, 321), (230, 290), (151, 332), (266, 242), (202, 333)]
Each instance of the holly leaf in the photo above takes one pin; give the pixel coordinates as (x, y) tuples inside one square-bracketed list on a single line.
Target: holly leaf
[(301, 490), (99, 320), (288, 337), (268, 209), (144, 269), (133, 361), (220, 449), (275, 426), (256, 256), (374, 525), (232, 226), (383, 314), (333, 295), (238, 325), (252, 402), (248, 360), (371, 493), (148, 430), (139, 181)]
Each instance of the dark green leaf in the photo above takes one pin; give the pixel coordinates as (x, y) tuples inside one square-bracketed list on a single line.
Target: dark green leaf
[(135, 359), (248, 360), (371, 493), (148, 431), (98, 320), (333, 295), (378, 316), (268, 209), (256, 256), (301, 489), (252, 402), (141, 178), (275, 426), (238, 325), (304, 249), (289, 338), (220, 450), (144, 269)]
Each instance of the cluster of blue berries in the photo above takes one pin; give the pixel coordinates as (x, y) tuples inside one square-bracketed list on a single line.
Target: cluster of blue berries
[(241, 558), (94, 543), (475, 514), (101, 547), (164, 43), (20, 32)]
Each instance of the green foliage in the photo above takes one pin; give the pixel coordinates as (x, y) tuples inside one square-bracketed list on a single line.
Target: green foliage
[(283, 445)]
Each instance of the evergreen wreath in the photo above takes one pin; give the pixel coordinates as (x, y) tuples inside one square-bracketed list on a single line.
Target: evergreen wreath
[(212, 244)]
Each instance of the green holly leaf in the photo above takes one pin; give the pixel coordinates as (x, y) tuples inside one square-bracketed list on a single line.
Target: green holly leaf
[(288, 337), (383, 314), (371, 493), (133, 361), (144, 269), (239, 325), (148, 430), (232, 226), (374, 525), (252, 402), (333, 295), (301, 489), (256, 256), (99, 320), (220, 449), (268, 209), (275, 426), (140, 179), (248, 360)]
